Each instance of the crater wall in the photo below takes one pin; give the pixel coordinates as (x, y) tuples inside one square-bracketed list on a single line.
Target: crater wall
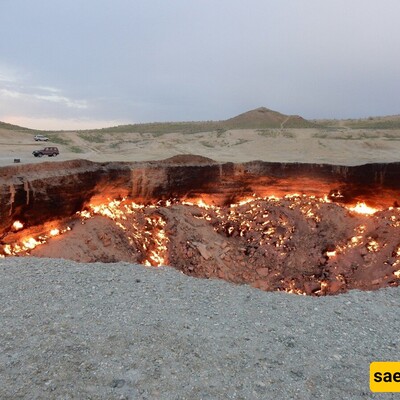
[(36, 193)]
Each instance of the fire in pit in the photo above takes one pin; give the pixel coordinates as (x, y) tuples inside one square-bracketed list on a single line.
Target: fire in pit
[(310, 229), (303, 244)]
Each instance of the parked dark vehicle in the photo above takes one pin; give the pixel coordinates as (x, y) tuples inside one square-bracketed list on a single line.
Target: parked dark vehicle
[(47, 151)]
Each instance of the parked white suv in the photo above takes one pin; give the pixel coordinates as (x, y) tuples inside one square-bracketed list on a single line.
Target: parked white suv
[(41, 138)]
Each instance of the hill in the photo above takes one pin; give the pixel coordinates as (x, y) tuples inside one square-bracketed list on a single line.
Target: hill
[(11, 127), (260, 118), (265, 118)]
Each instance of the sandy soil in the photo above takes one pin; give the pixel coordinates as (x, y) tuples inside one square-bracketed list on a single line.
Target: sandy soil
[(340, 146), (121, 331)]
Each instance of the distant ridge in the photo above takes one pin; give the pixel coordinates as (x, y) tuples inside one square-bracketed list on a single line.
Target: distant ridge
[(263, 117), (11, 127), (259, 118)]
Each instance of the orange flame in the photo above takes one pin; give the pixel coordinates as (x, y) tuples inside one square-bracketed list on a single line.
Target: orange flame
[(362, 208), (17, 225), (30, 243)]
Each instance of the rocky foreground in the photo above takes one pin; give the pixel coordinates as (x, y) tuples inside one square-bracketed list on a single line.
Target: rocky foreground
[(122, 331)]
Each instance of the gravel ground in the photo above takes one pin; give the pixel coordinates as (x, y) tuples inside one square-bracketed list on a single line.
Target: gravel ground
[(122, 331)]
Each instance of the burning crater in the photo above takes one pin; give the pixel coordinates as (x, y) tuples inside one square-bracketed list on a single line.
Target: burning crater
[(299, 228)]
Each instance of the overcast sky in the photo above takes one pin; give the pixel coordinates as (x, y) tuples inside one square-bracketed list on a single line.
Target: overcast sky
[(92, 63)]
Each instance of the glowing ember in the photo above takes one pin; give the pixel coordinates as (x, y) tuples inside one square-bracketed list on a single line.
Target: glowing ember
[(324, 285), (200, 203), (294, 290), (361, 229), (8, 250), (158, 253), (373, 246), (110, 210), (17, 225), (30, 243), (326, 199), (362, 208), (292, 196), (84, 214), (244, 201)]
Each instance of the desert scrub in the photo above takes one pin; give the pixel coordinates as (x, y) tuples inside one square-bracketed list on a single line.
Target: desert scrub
[(391, 136), (220, 132), (58, 138), (241, 141), (268, 133), (157, 134), (288, 135), (92, 137), (375, 123), (320, 135), (161, 128), (115, 145), (75, 149), (370, 135), (274, 133), (207, 144), (360, 136)]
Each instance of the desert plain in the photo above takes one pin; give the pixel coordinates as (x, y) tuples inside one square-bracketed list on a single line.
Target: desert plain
[(259, 134)]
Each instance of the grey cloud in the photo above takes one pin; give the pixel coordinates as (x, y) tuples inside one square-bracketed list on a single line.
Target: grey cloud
[(156, 60)]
